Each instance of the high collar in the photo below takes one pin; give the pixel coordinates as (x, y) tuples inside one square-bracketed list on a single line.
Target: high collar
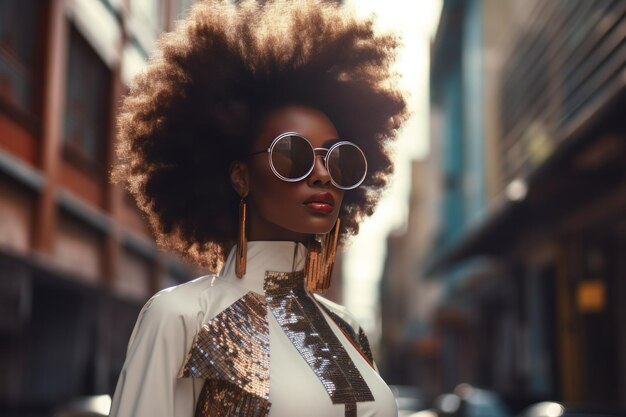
[(265, 256)]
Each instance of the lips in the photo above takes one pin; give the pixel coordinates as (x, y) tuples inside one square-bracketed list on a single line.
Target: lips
[(321, 203)]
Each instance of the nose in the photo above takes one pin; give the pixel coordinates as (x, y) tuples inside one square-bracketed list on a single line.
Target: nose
[(319, 176)]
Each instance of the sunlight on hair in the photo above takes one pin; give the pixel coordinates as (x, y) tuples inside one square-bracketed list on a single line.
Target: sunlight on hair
[(415, 23)]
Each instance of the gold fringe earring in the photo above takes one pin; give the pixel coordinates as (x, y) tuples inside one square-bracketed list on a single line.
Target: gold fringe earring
[(242, 242), (321, 259)]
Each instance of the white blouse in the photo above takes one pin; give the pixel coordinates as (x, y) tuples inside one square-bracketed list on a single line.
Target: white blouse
[(161, 374)]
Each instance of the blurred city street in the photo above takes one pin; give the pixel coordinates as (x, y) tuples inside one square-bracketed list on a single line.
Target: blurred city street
[(501, 292)]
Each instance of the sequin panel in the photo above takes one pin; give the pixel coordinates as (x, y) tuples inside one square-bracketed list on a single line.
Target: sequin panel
[(223, 399), (361, 342), (351, 410), (342, 324), (234, 347), (365, 345), (305, 325)]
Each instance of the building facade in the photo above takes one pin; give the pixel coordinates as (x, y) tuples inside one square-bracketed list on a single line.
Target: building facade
[(77, 259), (526, 100)]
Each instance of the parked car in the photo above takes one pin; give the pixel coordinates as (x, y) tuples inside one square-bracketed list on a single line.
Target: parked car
[(466, 401), (555, 409), (409, 399), (93, 406), (477, 402)]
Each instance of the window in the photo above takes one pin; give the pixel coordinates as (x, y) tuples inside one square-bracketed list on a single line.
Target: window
[(88, 95), (151, 13), (20, 21), (182, 8)]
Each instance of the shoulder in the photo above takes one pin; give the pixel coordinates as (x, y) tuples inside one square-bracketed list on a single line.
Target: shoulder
[(180, 310), (337, 309), (178, 299), (346, 322), (192, 302), (188, 304)]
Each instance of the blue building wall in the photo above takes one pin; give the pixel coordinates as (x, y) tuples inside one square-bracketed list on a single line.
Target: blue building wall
[(459, 86), (474, 181), (452, 155)]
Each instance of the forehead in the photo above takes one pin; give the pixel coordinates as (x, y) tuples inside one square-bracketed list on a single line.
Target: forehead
[(309, 122)]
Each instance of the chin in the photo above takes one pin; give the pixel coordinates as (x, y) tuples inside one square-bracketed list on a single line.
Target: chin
[(323, 228)]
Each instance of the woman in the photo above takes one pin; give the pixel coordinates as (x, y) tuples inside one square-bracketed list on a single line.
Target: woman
[(255, 142)]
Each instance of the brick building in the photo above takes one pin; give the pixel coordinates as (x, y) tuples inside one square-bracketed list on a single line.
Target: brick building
[(77, 259)]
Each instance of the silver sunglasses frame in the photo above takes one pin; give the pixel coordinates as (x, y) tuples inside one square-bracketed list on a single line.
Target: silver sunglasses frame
[(324, 157)]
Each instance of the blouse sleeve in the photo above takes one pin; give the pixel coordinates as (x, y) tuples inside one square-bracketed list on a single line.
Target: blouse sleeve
[(156, 350)]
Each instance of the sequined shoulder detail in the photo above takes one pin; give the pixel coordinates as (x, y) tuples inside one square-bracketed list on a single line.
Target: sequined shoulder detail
[(359, 340), (231, 352)]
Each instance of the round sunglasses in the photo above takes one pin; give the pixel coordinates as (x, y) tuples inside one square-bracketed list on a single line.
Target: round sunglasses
[(292, 158)]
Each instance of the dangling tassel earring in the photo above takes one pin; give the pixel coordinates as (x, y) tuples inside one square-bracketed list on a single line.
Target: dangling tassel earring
[(321, 259), (242, 242)]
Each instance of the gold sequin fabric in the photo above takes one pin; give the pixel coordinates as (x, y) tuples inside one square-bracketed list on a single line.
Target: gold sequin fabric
[(231, 352), (220, 398), (304, 324)]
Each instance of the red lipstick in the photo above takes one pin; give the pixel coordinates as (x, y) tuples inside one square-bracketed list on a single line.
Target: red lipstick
[(321, 203)]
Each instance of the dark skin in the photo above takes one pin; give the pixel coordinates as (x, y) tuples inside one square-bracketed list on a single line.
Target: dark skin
[(280, 210)]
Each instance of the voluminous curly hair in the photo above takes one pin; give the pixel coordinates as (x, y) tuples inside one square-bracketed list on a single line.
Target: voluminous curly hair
[(199, 104)]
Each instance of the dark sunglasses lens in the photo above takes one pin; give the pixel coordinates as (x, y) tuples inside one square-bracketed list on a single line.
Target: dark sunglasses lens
[(292, 157), (346, 165)]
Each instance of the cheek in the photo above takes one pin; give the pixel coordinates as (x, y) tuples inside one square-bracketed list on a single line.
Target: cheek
[(280, 203), (341, 199), (268, 192)]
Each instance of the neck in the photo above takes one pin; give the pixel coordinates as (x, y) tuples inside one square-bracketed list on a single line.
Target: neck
[(263, 256), (270, 235)]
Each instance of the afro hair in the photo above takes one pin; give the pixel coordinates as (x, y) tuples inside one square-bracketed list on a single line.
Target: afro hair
[(199, 103)]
